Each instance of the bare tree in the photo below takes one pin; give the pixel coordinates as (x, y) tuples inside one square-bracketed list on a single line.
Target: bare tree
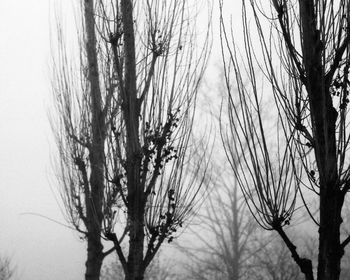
[(304, 54), (231, 245), (273, 263), (124, 127), (224, 234)]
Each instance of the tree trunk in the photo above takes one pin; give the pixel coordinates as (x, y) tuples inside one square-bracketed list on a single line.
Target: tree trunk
[(94, 198), (131, 108), (330, 251), (94, 257), (136, 269), (323, 116)]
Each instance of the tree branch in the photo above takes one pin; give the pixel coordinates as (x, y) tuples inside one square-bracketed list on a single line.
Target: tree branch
[(304, 264), (113, 237), (337, 58)]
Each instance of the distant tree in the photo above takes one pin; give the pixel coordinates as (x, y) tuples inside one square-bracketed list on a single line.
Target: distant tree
[(229, 244), (124, 126), (273, 262), (159, 269), (224, 234), (303, 50), (7, 270)]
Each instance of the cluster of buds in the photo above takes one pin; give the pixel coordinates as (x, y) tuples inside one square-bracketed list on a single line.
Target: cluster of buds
[(158, 149), (167, 222), (340, 88)]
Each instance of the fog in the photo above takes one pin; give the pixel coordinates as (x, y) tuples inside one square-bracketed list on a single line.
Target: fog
[(40, 248)]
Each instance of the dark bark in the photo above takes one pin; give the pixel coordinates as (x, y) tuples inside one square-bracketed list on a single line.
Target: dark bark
[(323, 116), (304, 264), (94, 199), (135, 199), (135, 267), (330, 250), (94, 257)]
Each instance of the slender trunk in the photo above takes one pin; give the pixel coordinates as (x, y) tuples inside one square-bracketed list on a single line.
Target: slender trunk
[(94, 257), (136, 269), (94, 198), (330, 251), (324, 118), (304, 264), (136, 196)]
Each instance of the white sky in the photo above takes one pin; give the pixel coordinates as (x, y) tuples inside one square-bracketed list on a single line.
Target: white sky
[(42, 250)]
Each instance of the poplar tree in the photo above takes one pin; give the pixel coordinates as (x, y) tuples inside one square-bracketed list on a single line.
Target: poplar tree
[(124, 127)]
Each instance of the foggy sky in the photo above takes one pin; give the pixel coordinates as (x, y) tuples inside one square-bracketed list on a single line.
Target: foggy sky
[(39, 248)]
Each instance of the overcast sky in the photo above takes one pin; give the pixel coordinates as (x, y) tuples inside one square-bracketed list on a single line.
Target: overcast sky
[(41, 249)]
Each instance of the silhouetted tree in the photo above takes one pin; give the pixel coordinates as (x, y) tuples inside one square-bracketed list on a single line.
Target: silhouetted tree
[(304, 54), (229, 244), (123, 127), (273, 263), (224, 234)]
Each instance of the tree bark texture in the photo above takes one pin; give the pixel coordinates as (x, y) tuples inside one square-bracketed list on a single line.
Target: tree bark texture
[(94, 199), (323, 116), (131, 109), (94, 257)]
